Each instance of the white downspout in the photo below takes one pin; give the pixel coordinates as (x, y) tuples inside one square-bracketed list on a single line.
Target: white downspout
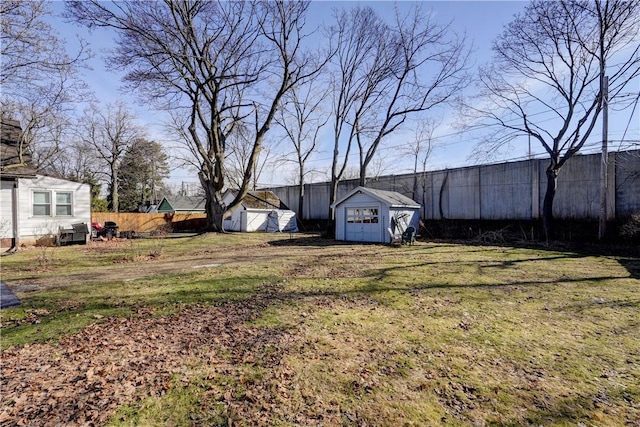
[(14, 212)]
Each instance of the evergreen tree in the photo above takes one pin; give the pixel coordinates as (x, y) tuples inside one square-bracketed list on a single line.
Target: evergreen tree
[(142, 172)]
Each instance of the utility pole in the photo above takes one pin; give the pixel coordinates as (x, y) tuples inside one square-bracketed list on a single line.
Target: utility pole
[(602, 225)]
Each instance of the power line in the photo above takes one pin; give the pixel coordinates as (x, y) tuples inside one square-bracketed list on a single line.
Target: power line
[(462, 132), (635, 104)]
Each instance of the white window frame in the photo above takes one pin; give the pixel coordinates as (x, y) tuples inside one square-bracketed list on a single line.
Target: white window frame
[(362, 215), (69, 205), (34, 204)]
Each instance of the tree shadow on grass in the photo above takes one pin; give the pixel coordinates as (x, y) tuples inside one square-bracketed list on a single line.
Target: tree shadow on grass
[(374, 286), (581, 409), (310, 240), (632, 265), (195, 331), (220, 336)]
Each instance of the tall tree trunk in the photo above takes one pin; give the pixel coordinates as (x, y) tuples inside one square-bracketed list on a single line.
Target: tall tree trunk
[(215, 207), (547, 205), (301, 192), (333, 194), (363, 166), (363, 177), (114, 188)]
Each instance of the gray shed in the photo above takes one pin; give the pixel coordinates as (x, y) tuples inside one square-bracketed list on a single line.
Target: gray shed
[(370, 215)]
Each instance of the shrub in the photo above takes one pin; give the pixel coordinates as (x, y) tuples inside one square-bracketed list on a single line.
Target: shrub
[(631, 229)]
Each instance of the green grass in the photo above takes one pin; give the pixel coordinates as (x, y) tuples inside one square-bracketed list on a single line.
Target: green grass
[(175, 408), (421, 335), (74, 291)]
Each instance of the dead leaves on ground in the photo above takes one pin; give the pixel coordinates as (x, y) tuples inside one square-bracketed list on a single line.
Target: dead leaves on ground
[(86, 377)]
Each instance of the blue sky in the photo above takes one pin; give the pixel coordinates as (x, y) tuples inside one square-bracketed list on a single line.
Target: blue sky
[(481, 21)]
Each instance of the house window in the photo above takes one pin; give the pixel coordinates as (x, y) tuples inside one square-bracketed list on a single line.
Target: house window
[(41, 203), (362, 215), (63, 204)]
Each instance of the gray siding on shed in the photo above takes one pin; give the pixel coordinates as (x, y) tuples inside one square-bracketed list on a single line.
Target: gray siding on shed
[(404, 213), (359, 201)]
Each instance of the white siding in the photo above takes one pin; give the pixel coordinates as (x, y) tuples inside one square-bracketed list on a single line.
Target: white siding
[(233, 223), (247, 220), (33, 226), (405, 218), (6, 209), (254, 219)]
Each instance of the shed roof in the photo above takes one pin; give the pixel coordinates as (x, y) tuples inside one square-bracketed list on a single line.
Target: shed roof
[(259, 199), (183, 203), (390, 198)]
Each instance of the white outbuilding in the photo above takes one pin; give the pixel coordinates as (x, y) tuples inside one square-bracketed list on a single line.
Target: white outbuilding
[(259, 211), (371, 215)]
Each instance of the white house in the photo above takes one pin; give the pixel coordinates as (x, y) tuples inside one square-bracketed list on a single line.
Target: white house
[(36, 208), (370, 215), (259, 211), (33, 206)]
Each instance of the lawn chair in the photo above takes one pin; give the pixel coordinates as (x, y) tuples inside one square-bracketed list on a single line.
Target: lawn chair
[(409, 235)]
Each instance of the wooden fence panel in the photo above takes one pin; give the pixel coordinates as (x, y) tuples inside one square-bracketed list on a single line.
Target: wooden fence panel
[(148, 222)]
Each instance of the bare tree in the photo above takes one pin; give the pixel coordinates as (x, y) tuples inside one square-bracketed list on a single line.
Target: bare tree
[(239, 149), (552, 58), (420, 150), (357, 41), (110, 133), (221, 64), (46, 123), (386, 73), (75, 160), (37, 77), (302, 118), (425, 68)]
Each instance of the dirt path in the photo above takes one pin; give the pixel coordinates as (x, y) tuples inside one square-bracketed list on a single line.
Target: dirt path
[(144, 267)]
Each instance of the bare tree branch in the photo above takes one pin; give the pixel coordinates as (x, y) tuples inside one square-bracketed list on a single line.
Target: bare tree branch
[(552, 58), (221, 64)]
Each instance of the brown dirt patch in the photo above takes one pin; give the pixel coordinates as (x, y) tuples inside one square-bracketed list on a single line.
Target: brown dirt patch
[(86, 377), (314, 257)]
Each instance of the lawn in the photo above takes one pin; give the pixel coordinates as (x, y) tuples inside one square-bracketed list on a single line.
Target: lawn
[(264, 329)]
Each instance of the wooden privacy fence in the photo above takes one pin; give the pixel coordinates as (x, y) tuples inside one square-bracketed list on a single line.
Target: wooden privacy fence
[(149, 222)]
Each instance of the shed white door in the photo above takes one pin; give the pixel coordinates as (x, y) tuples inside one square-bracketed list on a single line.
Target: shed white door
[(362, 224)]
